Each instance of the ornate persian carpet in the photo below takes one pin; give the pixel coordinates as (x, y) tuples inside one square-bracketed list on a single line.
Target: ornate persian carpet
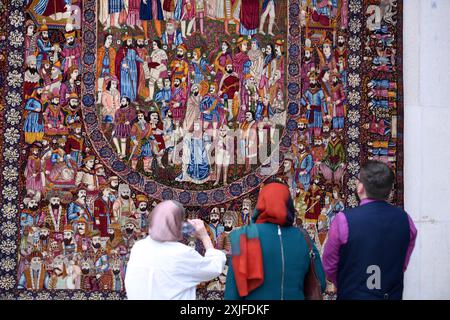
[(109, 107)]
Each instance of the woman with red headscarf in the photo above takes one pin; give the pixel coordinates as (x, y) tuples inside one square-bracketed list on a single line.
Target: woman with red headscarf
[(161, 267), (270, 257)]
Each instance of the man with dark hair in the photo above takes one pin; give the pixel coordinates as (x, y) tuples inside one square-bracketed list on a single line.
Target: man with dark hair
[(377, 180), (369, 247)]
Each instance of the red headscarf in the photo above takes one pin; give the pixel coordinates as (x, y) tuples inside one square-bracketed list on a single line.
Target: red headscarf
[(275, 205)]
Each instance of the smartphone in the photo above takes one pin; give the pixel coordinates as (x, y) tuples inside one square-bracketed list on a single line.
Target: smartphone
[(187, 229)]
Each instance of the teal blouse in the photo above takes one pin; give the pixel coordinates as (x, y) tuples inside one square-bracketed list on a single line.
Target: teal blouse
[(279, 283)]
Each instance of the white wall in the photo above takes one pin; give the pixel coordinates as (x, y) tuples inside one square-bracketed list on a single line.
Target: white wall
[(426, 46)]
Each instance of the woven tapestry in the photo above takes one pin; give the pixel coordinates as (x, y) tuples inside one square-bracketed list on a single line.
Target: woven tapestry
[(110, 106)]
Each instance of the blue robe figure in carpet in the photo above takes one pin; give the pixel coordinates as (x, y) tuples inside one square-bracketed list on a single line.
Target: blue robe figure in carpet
[(164, 96), (196, 164), (172, 37), (305, 165), (211, 106), (33, 126), (382, 104), (314, 100), (44, 46), (127, 64), (77, 209), (199, 66), (102, 263), (263, 110), (382, 84), (199, 168), (29, 217)]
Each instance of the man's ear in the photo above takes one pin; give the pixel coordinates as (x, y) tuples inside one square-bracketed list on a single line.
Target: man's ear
[(360, 188)]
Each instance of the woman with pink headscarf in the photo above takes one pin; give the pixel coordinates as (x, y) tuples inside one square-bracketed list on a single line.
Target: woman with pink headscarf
[(161, 267)]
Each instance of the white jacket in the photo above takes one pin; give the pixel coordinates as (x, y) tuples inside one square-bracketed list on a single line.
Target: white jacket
[(169, 270)]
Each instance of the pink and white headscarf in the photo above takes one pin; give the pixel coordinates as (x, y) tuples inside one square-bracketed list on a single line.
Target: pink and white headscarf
[(166, 221)]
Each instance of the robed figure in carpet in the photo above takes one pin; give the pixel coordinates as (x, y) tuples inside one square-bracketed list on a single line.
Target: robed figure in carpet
[(151, 10), (241, 65), (127, 65), (51, 7), (196, 164), (141, 137), (249, 17), (33, 126)]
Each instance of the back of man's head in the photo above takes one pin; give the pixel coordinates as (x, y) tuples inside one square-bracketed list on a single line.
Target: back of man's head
[(377, 179)]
